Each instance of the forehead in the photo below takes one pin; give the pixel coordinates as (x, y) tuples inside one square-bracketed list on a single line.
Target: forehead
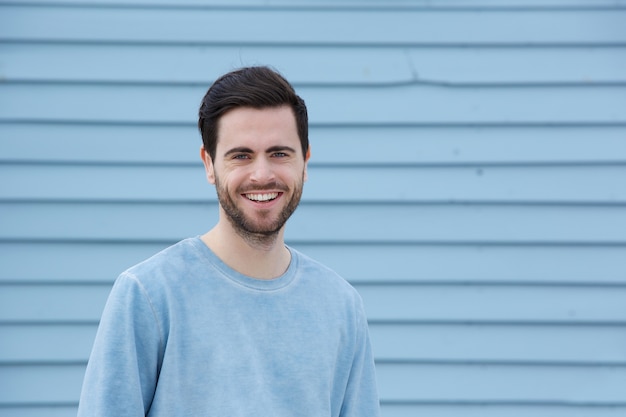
[(261, 127)]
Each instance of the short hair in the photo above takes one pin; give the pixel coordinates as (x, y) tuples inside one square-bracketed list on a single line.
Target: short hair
[(257, 87)]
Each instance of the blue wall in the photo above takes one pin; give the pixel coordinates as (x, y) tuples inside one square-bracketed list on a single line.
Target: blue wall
[(468, 171)]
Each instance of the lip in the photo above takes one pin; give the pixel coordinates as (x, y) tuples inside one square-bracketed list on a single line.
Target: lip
[(263, 204)]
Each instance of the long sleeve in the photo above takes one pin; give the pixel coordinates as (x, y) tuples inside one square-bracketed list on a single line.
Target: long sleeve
[(123, 367), (361, 397)]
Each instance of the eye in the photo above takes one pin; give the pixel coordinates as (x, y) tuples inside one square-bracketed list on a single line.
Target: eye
[(240, 156), (279, 154)]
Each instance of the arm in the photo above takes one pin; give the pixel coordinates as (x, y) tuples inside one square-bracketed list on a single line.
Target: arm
[(361, 397), (123, 367)]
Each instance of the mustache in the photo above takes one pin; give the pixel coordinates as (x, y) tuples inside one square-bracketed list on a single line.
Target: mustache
[(270, 186)]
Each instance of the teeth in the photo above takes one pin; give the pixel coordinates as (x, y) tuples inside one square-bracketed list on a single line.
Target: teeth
[(262, 197)]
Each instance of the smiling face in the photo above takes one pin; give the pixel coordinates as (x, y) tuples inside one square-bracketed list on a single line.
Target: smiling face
[(259, 169)]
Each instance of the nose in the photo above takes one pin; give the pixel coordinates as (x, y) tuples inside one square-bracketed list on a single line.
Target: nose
[(262, 171)]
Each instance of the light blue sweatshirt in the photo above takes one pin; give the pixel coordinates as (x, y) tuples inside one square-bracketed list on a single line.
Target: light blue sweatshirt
[(182, 334)]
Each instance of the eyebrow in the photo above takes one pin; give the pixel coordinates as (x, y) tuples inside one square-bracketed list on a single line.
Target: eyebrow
[(243, 149), (280, 149), (240, 149)]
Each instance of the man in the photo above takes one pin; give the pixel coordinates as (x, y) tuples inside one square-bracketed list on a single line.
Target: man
[(234, 323)]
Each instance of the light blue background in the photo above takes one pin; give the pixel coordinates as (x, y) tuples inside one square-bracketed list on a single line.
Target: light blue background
[(468, 171)]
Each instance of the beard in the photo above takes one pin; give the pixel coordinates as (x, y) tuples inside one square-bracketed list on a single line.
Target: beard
[(262, 229)]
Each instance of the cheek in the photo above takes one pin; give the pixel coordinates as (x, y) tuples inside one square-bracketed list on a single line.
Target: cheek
[(300, 173), (223, 174), (228, 179)]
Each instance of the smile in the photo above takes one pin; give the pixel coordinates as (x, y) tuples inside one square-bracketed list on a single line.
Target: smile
[(261, 197)]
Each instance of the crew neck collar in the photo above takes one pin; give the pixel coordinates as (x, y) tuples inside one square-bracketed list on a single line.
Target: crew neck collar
[(254, 283)]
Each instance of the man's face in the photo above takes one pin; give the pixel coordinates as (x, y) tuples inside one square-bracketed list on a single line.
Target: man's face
[(258, 169)]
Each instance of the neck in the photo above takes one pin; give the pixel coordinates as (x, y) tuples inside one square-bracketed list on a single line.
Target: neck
[(260, 257)]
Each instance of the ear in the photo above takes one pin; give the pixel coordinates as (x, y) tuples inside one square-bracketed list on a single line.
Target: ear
[(306, 162), (208, 165)]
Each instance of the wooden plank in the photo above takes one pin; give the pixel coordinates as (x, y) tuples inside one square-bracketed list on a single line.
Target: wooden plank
[(396, 263), (184, 64), (522, 344), (101, 262), (313, 65), (368, 184), (445, 409), (414, 304), (497, 304), (71, 262), (414, 104), (52, 304), (449, 223), (270, 26), (307, 4), (439, 105), (46, 385), (46, 343), (95, 263), (559, 385), (346, 146), (108, 221), (104, 183), (50, 410), (107, 143), (335, 223), (359, 4), (519, 66)]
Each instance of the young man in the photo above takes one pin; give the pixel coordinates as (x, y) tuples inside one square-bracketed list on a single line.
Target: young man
[(234, 323)]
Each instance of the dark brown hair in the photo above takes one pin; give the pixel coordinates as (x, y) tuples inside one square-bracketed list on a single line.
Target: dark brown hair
[(257, 87)]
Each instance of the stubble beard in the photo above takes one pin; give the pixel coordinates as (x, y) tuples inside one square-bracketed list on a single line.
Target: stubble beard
[(254, 231)]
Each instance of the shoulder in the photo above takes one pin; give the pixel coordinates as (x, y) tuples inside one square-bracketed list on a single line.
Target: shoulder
[(159, 280), (174, 258), (166, 269), (322, 286), (320, 274)]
